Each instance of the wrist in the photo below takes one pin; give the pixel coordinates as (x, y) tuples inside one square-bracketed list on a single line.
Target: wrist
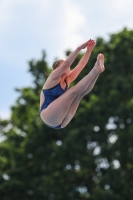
[(88, 51), (78, 48)]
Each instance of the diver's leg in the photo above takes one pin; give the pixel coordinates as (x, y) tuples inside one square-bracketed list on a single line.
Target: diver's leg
[(55, 113), (74, 106)]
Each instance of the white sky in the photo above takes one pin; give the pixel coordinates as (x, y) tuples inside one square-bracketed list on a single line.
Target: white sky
[(28, 27)]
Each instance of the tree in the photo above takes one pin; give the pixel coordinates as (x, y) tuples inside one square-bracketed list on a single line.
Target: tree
[(89, 159)]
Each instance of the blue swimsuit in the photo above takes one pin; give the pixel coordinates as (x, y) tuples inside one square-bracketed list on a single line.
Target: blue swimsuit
[(50, 95)]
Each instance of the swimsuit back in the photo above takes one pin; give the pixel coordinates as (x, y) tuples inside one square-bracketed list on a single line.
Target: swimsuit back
[(52, 94)]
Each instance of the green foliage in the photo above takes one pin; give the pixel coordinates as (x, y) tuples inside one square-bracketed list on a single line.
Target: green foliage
[(89, 159)]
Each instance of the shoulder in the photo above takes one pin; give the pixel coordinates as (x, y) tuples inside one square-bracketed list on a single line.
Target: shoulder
[(50, 82)]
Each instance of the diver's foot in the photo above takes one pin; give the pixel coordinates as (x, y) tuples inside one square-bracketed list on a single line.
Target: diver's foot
[(99, 65)]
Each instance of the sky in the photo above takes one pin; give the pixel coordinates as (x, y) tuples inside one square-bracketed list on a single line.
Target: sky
[(29, 27)]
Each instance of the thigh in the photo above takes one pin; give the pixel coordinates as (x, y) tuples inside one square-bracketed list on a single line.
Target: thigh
[(57, 110), (72, 110)]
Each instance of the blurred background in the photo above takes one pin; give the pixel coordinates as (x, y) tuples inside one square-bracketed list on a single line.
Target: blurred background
[(28, 27), (91, 158)]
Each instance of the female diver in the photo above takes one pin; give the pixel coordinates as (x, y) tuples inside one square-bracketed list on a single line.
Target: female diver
[(58, 102)]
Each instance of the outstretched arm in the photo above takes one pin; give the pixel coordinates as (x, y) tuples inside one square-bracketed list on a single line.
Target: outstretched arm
[(73, 55), (67, 63), (82, 63)]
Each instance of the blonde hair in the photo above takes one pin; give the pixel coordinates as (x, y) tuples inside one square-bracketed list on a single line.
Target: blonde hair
[(56, 63)]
